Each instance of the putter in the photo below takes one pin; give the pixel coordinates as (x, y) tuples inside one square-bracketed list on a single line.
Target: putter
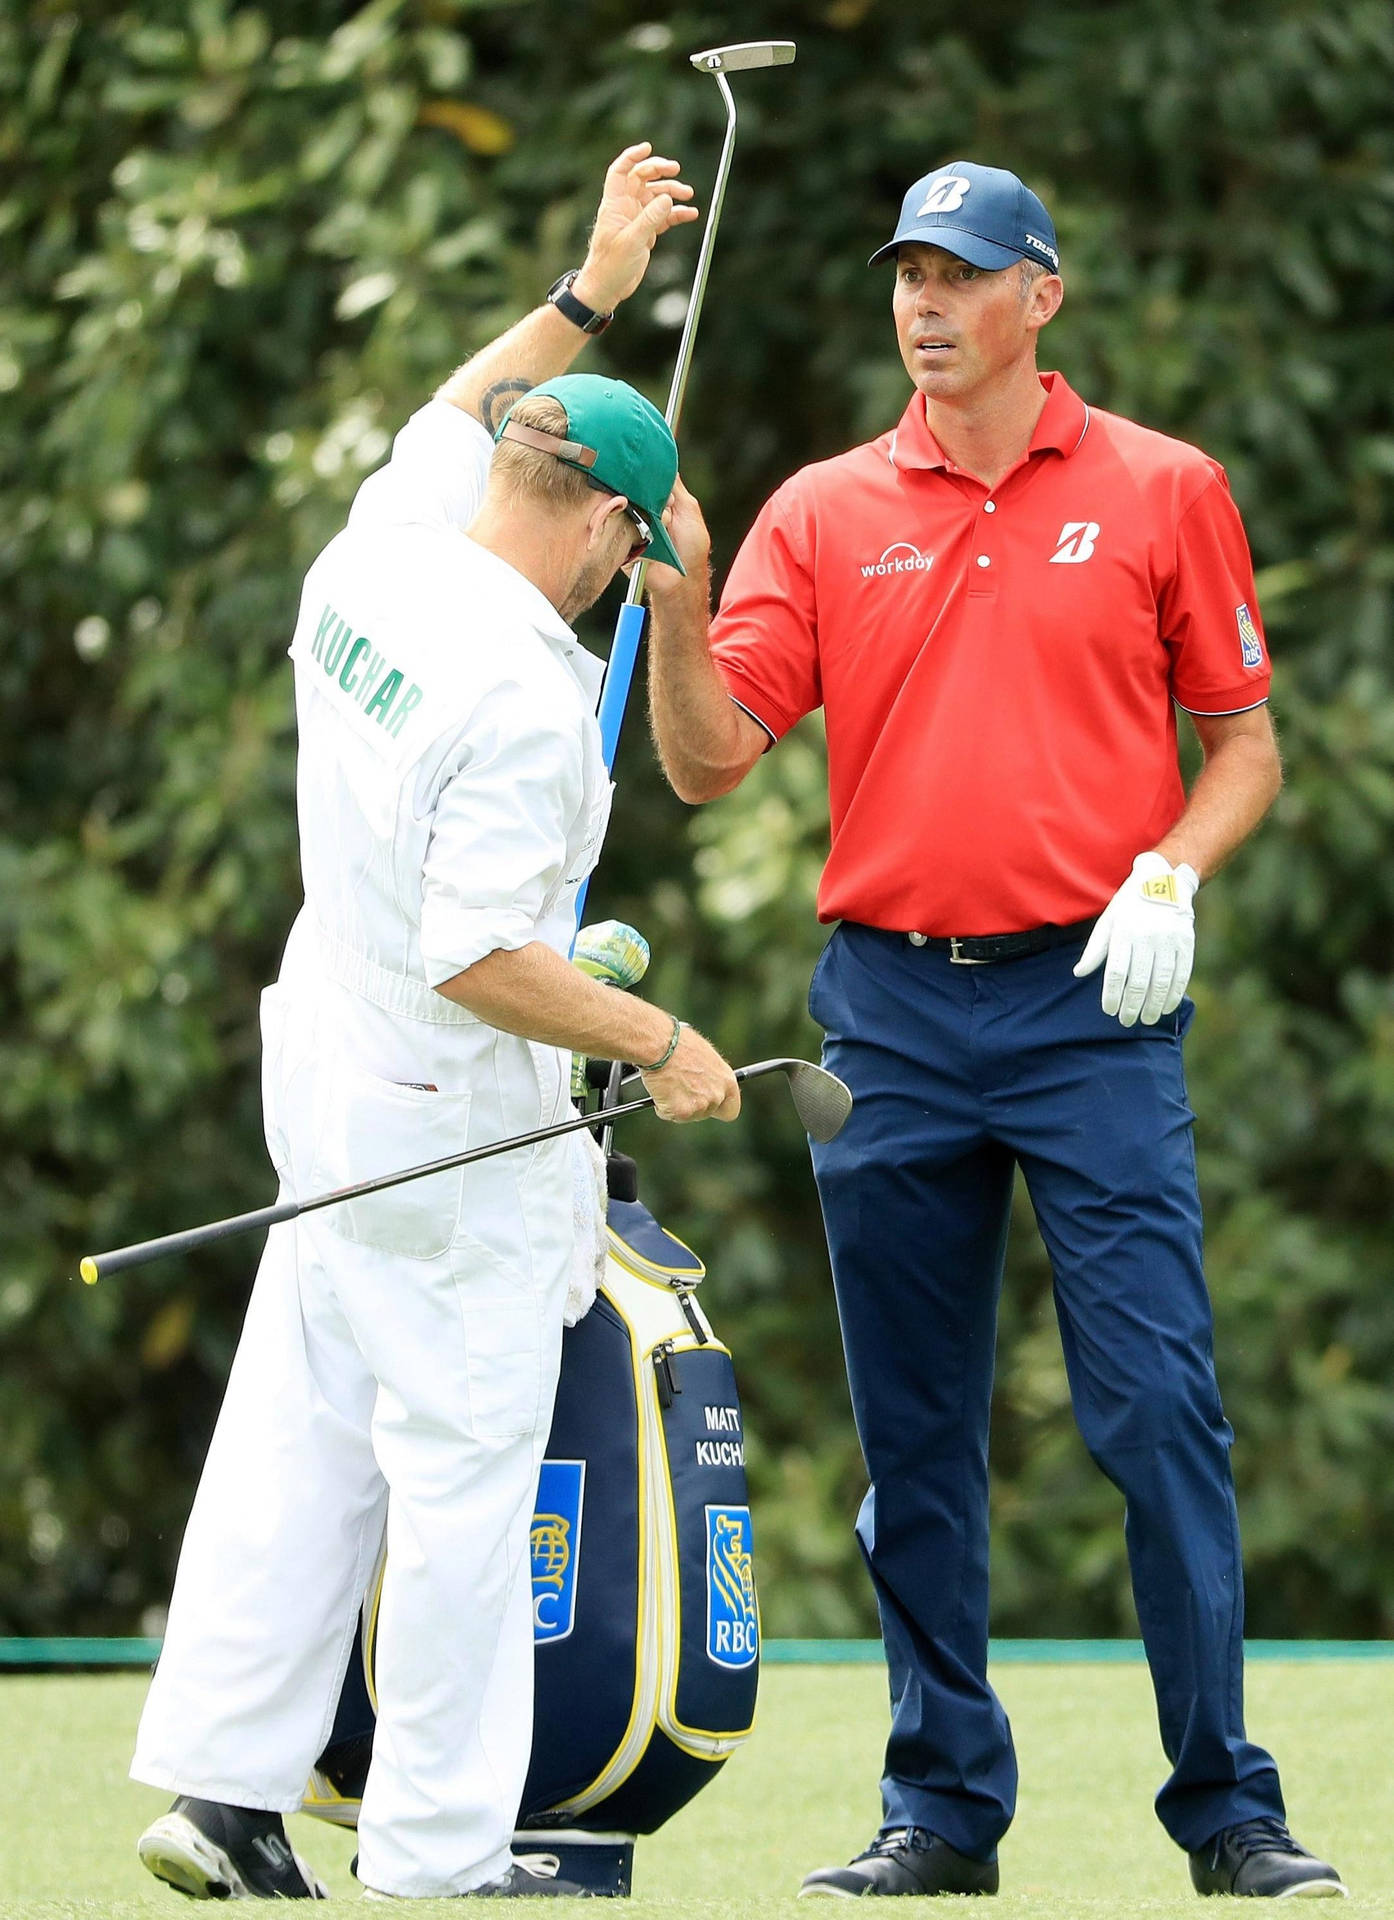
[(629, 627), (821, 1101)]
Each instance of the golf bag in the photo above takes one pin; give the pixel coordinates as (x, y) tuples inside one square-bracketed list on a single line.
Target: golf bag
[(646, 1625)]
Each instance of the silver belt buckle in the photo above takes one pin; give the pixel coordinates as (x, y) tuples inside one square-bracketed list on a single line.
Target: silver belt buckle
[(958, 959)]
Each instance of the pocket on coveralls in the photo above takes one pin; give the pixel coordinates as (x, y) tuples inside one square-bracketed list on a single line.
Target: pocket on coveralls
[(370, 1127), (504, 1355), (593, 838)]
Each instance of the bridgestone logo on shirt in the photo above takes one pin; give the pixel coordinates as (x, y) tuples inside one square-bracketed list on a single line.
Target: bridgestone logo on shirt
[(353, 661), (899, 557)]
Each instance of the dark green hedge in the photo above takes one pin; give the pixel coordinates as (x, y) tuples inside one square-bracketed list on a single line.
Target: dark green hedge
[(238, 248)]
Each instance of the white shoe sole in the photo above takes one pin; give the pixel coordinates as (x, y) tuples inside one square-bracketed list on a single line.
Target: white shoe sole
[(175, 1851), (1315, 1890)]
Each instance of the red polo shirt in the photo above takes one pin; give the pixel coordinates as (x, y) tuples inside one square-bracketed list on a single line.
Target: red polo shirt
[(997, 668)]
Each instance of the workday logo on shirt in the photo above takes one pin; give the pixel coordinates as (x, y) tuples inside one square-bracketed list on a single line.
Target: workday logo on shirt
[(899, 557)]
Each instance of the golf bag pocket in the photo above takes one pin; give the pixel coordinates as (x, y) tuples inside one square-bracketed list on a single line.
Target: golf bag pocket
[(646, 1677), (366, 1127)]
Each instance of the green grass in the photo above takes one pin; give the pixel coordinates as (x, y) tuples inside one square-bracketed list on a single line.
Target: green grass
[(803, 1793)]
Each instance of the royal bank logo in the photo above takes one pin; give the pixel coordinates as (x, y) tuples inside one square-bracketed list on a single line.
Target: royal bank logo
[(555, 1540), (899, 557), (1250, 646), (733, 1626)]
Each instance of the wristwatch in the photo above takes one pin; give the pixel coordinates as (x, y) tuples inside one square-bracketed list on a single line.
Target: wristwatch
[(560, 296)]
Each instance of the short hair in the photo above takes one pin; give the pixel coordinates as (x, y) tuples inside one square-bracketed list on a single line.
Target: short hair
[(526, 473), (1029, 272)]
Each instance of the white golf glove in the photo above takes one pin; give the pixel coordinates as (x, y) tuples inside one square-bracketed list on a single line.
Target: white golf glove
[(1147, 934)]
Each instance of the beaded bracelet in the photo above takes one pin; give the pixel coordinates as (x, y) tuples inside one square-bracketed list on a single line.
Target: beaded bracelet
[(668, 1051)]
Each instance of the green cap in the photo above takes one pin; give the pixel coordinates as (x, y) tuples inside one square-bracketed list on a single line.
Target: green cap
[(620, 439)]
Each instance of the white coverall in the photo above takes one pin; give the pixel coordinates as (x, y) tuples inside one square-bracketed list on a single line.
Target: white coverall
[(400, 1353)]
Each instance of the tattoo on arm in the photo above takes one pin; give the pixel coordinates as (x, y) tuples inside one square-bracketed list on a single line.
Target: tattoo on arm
[(495, 401)]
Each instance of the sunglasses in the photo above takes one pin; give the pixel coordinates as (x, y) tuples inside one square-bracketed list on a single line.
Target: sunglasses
[(643, 529), (583, 457), (643, 534)]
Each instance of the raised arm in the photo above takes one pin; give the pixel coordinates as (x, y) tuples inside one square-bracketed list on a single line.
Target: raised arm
[(707, 744), (642, 199)]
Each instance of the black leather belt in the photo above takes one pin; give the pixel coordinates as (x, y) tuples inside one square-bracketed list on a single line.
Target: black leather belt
[(984, 949)]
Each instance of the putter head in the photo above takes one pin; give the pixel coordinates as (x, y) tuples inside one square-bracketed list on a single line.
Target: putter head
[(743, 56)]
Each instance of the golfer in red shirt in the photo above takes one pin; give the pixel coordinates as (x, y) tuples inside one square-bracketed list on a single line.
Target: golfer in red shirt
[(999, 605)]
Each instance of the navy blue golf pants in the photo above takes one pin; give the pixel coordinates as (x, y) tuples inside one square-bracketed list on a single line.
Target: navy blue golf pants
[(961, 1074)]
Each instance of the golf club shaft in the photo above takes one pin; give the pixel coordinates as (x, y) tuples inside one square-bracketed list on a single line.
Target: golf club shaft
[(677, 389), (672, 413), (629, 626), (97, 1266)]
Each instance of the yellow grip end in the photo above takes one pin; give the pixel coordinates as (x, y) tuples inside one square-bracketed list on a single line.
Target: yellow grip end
[(88, 1270)]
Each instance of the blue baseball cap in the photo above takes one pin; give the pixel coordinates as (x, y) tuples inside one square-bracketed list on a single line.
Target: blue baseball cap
[(984, 215)]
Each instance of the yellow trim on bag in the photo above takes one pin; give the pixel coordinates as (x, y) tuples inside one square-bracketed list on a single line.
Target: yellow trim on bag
[(323, 1799), (654, 1271)]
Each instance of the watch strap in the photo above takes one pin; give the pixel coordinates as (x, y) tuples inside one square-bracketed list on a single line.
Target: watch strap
[(560, 296)]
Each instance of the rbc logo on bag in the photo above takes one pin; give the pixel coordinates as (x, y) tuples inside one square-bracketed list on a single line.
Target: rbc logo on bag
[(733, 1626), (555, 1540)]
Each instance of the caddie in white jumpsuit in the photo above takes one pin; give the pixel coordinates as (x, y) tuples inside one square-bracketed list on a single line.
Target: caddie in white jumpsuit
[(399, 1359)]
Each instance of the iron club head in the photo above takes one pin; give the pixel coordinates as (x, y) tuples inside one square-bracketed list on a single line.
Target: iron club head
[(821, 1100), (743, 56)]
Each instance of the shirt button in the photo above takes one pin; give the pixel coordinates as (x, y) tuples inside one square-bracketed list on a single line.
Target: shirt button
[(983, 560), (918, 939), (989, 506)]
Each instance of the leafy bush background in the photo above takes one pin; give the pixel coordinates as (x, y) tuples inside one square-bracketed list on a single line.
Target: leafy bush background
[(237, 247)]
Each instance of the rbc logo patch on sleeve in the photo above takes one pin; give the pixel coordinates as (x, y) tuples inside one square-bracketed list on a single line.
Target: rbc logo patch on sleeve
[(733, 1627), (555, 1540), (1250, 646)]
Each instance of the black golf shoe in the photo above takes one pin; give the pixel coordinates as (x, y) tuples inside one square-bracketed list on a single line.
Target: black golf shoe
[(1260, 1858), (907, 1860), (526, 1882), (210, 1851), (528, 1879)]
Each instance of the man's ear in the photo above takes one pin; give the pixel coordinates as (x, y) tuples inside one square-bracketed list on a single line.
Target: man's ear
[(598, 520), (1046, 296)]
